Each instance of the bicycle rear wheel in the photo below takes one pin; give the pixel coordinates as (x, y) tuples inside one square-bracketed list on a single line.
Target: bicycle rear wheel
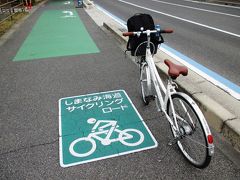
[(194, 138), (145, 81)]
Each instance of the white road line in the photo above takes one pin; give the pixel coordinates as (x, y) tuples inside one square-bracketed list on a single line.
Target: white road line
[(212, 4), (216, 12), (182, 19)]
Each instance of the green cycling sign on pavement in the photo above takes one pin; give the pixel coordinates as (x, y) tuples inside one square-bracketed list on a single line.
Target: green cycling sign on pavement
[(99, 126)]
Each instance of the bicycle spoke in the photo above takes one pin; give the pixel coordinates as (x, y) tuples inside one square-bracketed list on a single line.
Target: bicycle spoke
[(195, 141), (191, 137)]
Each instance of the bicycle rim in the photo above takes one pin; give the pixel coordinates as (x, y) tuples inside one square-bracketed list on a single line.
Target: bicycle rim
[(145, 82), (193, 139)]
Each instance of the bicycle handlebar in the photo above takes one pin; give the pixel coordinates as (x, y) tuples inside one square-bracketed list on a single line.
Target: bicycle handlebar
[(147, 32), (128, 33)]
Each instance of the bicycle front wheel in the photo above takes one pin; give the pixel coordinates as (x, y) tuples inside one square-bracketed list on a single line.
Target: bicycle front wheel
[(194, 138), (145, 81), (76, 150)]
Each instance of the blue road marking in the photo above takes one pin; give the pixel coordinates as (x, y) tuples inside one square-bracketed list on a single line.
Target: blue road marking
[(219, 80), (205, 70)]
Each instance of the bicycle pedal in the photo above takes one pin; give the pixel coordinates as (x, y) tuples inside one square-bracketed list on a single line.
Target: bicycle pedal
[(153, 97), (150, 98), (172, 142)]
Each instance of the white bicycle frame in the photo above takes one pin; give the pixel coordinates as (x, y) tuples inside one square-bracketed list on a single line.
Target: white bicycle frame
[(149, 75), (158, 84), (169, 91)]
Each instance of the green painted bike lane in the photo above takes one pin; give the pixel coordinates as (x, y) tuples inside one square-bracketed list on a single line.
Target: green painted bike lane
[(57, 33)]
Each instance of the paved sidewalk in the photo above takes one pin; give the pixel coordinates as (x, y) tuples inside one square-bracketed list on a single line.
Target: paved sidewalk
[(29, 112)]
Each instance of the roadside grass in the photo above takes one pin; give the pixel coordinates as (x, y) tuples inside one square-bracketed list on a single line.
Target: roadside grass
[(6, 25)]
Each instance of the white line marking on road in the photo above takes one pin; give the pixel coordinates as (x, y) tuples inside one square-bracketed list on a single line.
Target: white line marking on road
[(212, 4), (182, 19), (216, 12)]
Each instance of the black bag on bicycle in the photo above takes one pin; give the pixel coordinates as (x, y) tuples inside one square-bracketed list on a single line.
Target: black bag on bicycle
[(135, 23)]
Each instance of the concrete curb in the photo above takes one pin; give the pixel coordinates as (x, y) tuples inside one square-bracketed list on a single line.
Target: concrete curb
[(88, 4), (217, 116)]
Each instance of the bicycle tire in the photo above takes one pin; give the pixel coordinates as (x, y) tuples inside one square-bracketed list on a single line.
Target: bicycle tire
[(145, 82), (193, 142)]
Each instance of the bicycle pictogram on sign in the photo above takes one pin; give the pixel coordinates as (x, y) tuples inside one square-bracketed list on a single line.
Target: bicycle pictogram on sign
[(107, 129)]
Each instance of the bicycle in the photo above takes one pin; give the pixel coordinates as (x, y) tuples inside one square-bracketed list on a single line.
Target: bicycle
[(125, 137), (189, 128)]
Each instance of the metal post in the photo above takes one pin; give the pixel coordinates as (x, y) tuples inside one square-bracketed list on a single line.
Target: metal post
[(79, 4)]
